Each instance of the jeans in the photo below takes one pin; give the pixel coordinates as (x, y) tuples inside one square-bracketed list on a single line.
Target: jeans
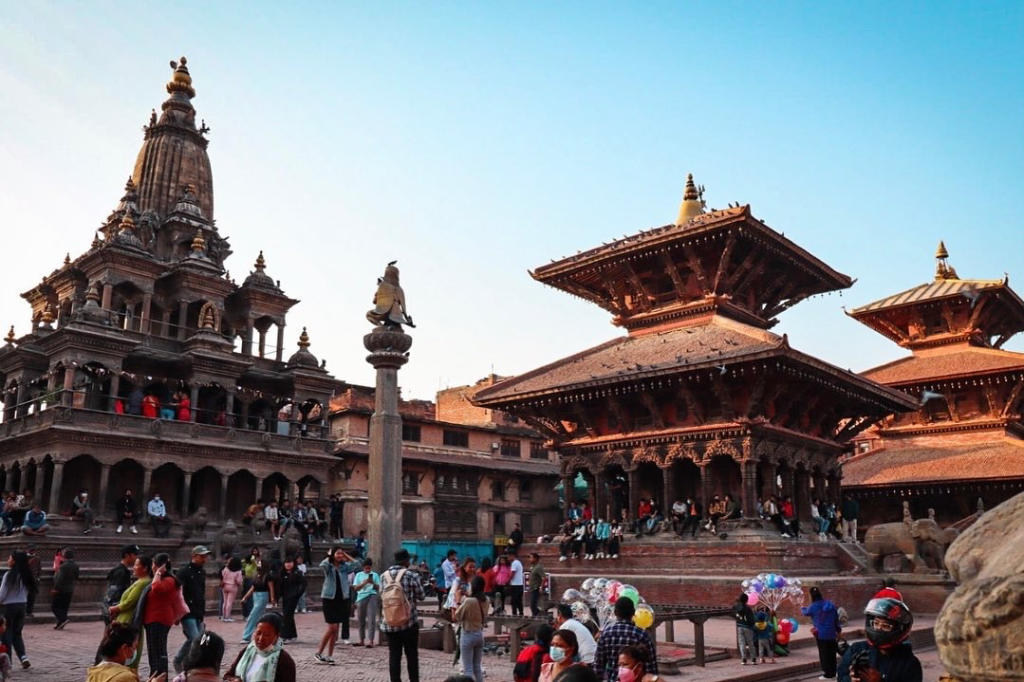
[(850, 529), (259, 606), (471, 646), (15, 615), (367, 610), (191, 626), (406, 641), (764, 648), (745, 637)]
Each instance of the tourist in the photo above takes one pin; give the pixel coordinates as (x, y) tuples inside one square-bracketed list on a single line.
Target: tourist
[(6, 507), (590, 540), (23, 503), (451, 569), (460, 586), (693, 518), (135, 397), (818, 520), (678, 516), (15, 587), (515, 583), (230, 584), (886, 655), (564, 652), (643, 513), (125, 610), (360, 548), (889, 591), (126, 512), (285, 517), (401, 624), (486, 571), (192, 579), (262, 592), (35, 565), (302, 567), (184, 407), (850, 510), (566, 536), (619, 634), (515, 538), (536, 584), (614, 539), (716, 510), (655, 518), (272, 516), (788, 510), (502, 574), (471, 616), (167, 409), (159, 613), (579, 539), (312, 522), (35, 521), (764, 636), (291, 585), (150, 406), (264, 659), (64, 588), (336, 510), (587, 514), (632, 667), (158, 518), (284, 418), (249, 567), (367, 587), (743, 615), (80, 509), (203, 659), (438, 580), (253, 516), (564, 620), (574, 512), (323, 524), (118, 646), (732, 508), (831, 515), (334, 598), (531, 658), (602, 531), (775, 515), (825, 628)]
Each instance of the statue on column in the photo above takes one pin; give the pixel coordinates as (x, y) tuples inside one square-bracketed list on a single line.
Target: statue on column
[(389, 309)]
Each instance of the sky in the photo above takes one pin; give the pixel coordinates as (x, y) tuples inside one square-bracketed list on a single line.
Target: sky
[(475, 141)]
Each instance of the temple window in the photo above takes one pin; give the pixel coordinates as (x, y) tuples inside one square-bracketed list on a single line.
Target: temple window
[(538, 451), (497, 490), (456, 439), (410, 483), (499, 523), (510, 448), (526, 490), (409, 520), (411, 433)]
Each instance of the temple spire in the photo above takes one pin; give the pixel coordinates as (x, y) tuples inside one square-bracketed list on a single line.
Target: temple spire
[(693, 202), (943, 270), (181, 79)]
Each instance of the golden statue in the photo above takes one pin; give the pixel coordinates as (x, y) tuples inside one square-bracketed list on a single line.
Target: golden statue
[(389, 307)]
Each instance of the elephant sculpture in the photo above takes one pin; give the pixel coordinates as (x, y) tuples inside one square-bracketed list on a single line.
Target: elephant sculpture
[(921, 543)]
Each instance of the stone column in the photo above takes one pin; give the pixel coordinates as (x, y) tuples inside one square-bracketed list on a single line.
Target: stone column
[(802, 498), (601, 509), (194, 397), (768, 481), (388, 348), (37, 492), (147, 305), (705, 487), (247, 337), (55, 486), (669, 489), (22, 407), (147, 482), (568, 492), (101, 500), (749, 501), (185, 492), (229, 409), (115, 386), (633, 503), (108, 294), (279, 352), (165, 324), (223, 497), (263, 342), (182, 319)]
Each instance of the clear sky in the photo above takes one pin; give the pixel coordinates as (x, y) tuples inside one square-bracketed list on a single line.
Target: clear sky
[(473, 141)]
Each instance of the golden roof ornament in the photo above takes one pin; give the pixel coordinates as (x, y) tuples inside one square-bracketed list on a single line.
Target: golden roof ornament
[(10, 336), (303, 339), (693, 202), (943, 270), (198, 243), (67, 259), (181, 79), (261, 262), (96, 243), (47, 317)]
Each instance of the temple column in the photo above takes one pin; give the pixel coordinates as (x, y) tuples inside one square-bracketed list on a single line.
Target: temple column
[(748, 503), (147, 304), (37, 492), (247, 337), (194, 397), (280, 341), (767, 480), (600, 497), (165, 323), (229, 409), (21, 408), (223, 497), (668, 490), (802, 498), (263, 342), (633, 502), (55, 486), (568, 493), (705, 487), (245, 414), (182, 319), (108, 294), (101, 500), (115, 386), (147, 481), (185, 491)]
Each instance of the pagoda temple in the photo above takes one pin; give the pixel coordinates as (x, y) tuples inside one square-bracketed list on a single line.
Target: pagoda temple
[(965, 441), (700, 397), (146, 367)]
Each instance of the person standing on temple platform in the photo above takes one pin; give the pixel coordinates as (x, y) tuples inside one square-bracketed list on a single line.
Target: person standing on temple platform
[(336, 508), (515, 583), (184, 406), (284, 419), (127, 511), (151, 406), (515, 538), (537, 578), (192, 578), (80, 509), (818, 520), (135, 398), (157, 511), (851, 510), (169, 409), (64, 588)]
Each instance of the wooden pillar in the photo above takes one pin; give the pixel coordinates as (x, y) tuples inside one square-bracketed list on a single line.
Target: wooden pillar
[(280, 341), (668, 490), (194, 397), (568, 492), (633, 502), (705, 487), (147, 483), (108, 294), (601, 510), (698, 642), (263, 342), (147, 305), (101, 500), (229, 409), (802, 497), (768, 480), (37, 492), (182, 319), (749, 501), (115, 386), (55, 486), (185, 493), (165, 324), (21, 408), (223, 497)]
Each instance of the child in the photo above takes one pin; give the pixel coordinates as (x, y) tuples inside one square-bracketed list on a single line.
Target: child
[(300, 565), (764, 635), (5, 658)]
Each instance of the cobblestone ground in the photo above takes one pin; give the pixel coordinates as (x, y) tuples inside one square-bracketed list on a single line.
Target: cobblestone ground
[(64, 655)]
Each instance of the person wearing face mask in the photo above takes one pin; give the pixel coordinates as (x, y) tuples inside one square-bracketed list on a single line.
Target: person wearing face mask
[(157, 511), (264, 658), (80, 509), (564, 652), (632, 667), (118, 646)]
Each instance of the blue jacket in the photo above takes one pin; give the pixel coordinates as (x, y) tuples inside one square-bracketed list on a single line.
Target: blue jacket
[(330, 581), (824, 617)]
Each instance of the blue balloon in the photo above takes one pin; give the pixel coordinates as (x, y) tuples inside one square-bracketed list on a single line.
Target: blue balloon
[(757, 586), (770, 580), (796, 625)]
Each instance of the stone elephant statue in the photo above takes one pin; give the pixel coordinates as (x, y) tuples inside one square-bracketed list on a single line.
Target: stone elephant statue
[(921, 543)]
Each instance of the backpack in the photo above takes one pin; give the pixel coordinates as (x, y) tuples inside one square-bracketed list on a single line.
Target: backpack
[(395, 603), (523, 670)]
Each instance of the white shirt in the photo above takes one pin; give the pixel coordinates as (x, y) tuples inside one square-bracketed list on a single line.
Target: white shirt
[(517, 574), (270, 513), (257, 662), (679, 508), (588, 645), (449, 569), (815, 514)]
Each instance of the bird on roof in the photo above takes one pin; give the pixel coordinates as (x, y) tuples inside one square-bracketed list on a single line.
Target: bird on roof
[(927, 396), (722, 369), (971, 294)]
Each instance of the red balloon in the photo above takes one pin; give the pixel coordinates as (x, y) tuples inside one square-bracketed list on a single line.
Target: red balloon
[(785, 626), (782, 637)]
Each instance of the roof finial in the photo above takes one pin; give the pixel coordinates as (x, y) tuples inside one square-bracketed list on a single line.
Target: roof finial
[(303, 339), (198, 243), (261, 262), (47, 317), (943, 270), (67, 258), (10, 336), (693, 202), (181, 80), (96, 243)]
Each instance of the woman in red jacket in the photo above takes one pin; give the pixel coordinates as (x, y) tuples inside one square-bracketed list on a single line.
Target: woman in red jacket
[(158, 617)]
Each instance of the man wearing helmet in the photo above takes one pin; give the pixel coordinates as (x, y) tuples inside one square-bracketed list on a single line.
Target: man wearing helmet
[(886, 655)]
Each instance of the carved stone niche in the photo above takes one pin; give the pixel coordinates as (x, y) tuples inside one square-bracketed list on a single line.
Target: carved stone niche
[(980, 631)]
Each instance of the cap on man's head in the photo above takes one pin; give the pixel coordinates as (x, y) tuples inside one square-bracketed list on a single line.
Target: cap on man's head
[(200, 550), (130, 549)]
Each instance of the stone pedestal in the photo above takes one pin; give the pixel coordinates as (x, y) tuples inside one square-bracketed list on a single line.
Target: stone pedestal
[(388, 348)]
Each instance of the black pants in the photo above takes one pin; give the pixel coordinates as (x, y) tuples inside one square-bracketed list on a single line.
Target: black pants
[(692, 525), (161, 527), (407, 641), (247, 605), (336, 527), (534, 602), (613, 546), (15, 616), (30, 604), (288, 606), (515, 594), (60, 604), (827, 652), (156, 647)]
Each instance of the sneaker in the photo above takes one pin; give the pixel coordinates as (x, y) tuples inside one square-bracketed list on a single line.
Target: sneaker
[(785, 535), (346, 642), (243, 641), (25, 663), (822, 677), (330, 660), (320, 657), (561, 558), (60, 625), (615, 556), (86, 531), (744, 663), (118, 529), (135, 530)]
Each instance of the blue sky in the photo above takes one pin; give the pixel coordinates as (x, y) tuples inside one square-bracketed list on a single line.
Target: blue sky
[(474, 141)]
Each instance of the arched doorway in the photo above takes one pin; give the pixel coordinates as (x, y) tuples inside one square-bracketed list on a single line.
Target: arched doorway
[(309, 489), (726, 477), (80, 473), (650, 484), (169, 481), (685, 479), (205, 492), (126, 475), (241, 493), (276, 487)]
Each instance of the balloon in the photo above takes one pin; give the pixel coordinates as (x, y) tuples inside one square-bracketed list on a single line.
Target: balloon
[(600, 583), (644, 616), (587, 585), (571, 595), (753, 598), (756, 586), (611, 590), (631, 594), (780, 581), (782, 638), (785, 626), (580, 611), (625, 587), (595, 596), (769, 580), (745, 584), (796, 625)]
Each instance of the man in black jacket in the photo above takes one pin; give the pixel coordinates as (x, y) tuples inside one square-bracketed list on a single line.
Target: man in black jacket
[(127, 512), (886, 655), (192, 578), (64, 588), (119, 578)]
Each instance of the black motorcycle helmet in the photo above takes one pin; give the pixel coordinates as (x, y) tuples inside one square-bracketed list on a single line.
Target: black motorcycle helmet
[(887, 622)]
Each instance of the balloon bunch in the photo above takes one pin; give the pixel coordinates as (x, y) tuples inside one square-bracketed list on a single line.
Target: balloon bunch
[(787, 626), (771, 589), (598, 596)]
